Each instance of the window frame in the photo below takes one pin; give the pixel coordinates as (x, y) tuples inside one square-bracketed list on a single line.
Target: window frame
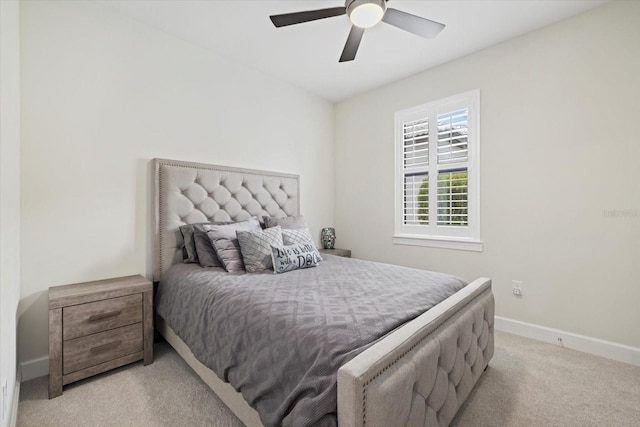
[(433, 235)]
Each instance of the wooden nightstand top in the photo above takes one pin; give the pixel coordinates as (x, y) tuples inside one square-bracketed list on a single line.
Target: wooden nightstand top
[(346, 253), (80, 293)]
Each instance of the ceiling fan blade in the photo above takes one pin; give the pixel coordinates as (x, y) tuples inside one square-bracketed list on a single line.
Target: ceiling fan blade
[(310, 15), (414, 24), (352, 44)]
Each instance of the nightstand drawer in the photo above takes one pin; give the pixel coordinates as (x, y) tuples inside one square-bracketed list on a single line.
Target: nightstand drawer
[(80, 353), (85, 319)]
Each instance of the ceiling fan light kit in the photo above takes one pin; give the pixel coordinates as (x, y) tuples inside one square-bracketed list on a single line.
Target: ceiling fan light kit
[(363, 14)]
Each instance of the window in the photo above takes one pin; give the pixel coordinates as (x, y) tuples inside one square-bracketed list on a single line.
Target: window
[(437, 174)]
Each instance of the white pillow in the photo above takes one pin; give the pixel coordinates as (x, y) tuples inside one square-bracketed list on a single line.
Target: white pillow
[(294, 257)]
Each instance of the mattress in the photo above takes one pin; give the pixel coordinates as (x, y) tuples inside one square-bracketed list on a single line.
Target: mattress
[(280, 339)]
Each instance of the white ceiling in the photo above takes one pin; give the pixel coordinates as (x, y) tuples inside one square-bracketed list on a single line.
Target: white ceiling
[(306, 55)]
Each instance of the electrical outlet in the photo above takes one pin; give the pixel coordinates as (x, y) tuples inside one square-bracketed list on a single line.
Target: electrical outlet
[(516, 287)]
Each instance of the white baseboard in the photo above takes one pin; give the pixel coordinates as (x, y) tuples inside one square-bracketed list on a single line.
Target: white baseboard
[(35, 368), (13, 414), (622, 353), (608, 349)]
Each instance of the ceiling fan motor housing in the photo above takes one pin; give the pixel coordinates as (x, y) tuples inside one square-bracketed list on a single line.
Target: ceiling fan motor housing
[(369, 15)]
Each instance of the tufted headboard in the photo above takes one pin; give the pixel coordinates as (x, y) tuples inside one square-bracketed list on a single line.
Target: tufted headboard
[(186, 192)]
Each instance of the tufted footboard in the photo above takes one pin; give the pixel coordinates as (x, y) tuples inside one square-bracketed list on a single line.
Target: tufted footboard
[(421, 374)]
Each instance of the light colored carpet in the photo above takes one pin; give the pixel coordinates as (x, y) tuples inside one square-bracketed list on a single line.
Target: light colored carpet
[(528, 383)]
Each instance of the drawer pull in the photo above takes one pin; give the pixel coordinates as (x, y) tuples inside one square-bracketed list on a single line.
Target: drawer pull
[(105, 347), (103, 316)]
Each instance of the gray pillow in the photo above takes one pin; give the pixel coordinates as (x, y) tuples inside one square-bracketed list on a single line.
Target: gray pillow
[(197, 245), (289, 258), (224, 241), (190, 254), (297, 236), (189, 247), (290, 222), (255, 247)]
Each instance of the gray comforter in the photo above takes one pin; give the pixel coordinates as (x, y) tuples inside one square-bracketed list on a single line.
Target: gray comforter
[(280, 339)]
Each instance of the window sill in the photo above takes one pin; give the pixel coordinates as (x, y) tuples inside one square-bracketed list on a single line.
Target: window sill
[(438, 242)]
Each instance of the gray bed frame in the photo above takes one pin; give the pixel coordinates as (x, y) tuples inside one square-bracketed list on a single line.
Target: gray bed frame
[(418, 375)]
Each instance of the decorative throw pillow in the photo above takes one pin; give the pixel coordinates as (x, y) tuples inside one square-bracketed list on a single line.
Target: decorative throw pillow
[(190, 253), (255, 247), (290, 222), (224, 241), (297, 236), (189, 246), (294, 257), (198, 246)]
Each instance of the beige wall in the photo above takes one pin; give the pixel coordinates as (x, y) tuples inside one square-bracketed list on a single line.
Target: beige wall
[(101, 96), (9, 195), (559, 146)]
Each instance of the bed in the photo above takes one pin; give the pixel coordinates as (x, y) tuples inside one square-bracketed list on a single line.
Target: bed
[(419, 373)]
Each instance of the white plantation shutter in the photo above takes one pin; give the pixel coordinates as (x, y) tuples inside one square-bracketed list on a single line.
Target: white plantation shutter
[(416, 143), (439, 140), (416, 199), (452, 136), (415, 154), (453, 150), (453, 201)]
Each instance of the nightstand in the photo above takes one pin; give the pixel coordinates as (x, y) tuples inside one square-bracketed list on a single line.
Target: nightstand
[(346, 253), (98, 326)]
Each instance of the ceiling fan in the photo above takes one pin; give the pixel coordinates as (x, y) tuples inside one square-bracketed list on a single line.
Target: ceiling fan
[(363, 14)]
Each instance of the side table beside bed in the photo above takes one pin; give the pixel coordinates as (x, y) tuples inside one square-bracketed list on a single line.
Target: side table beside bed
[(98, 326), (346, 253)]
